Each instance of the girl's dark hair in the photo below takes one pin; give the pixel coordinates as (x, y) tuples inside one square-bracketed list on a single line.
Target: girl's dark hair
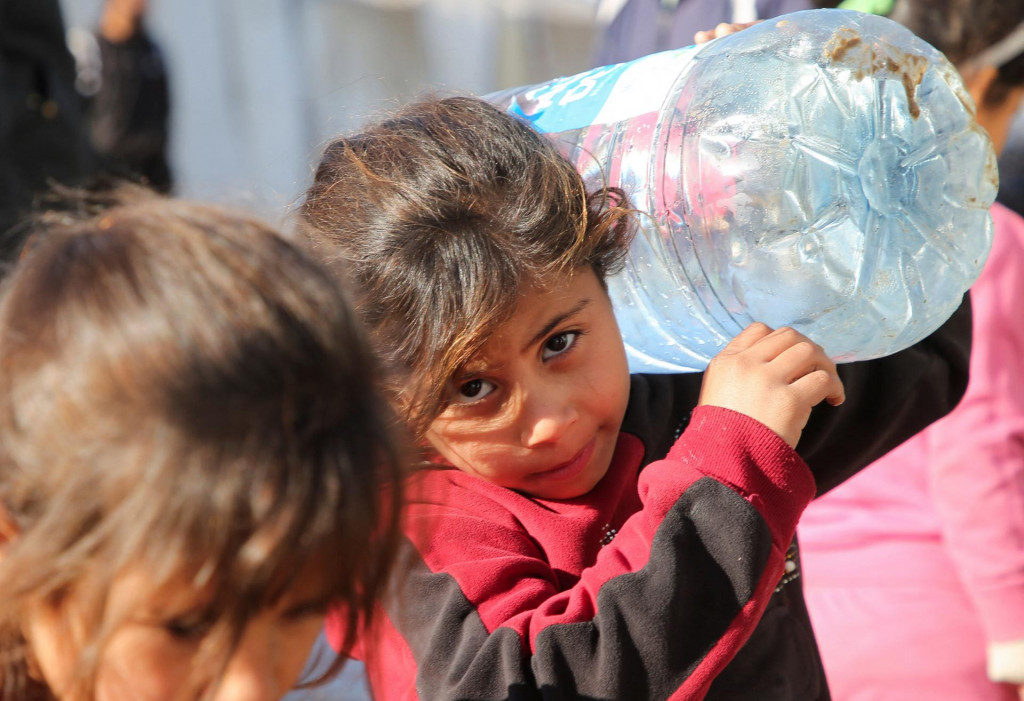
[(443, 215), (961, 29), (185, 391)]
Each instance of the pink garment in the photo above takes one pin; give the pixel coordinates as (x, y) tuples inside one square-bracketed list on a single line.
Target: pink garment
[(914, 568)]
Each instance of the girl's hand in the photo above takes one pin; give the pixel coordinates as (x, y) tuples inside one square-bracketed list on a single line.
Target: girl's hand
[(775, 377), (720, 31)]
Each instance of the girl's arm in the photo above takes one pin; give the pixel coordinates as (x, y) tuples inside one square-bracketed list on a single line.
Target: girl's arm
[(888, 400)]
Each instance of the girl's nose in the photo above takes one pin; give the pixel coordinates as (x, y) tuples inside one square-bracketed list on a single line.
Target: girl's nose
[(250, 674), (547, 418)]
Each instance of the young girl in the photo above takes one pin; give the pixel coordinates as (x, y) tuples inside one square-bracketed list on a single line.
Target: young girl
[(583, 533), (191, 459)]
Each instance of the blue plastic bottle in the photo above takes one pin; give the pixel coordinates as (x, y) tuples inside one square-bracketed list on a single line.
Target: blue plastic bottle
[(821, 170)]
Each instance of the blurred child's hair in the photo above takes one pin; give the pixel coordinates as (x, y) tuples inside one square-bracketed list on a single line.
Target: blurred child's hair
[(444, 214), (185, 391), (962, 29)]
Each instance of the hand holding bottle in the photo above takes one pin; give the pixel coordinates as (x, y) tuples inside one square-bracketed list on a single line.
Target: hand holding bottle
[(775, 377)]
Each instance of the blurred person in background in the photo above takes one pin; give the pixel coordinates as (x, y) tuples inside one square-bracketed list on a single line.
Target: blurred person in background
[(914, 568), (641, 27), (42, 130), (49, 134), (123, 75)]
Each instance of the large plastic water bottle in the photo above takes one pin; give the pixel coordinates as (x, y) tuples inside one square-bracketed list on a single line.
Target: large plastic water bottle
[(821, 170)]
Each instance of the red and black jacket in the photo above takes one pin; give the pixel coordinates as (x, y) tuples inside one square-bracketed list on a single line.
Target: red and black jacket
[(670, 579)]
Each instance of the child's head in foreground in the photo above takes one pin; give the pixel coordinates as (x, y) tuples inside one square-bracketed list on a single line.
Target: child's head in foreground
[(479, 259), (191, 458)]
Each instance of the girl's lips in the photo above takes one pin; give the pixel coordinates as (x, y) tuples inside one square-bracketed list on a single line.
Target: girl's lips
[(569, 470)]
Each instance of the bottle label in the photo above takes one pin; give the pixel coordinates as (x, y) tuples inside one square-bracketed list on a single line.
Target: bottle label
[(603, 95)]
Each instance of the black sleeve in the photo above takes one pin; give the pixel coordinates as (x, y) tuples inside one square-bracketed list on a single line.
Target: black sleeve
[(888, 400)]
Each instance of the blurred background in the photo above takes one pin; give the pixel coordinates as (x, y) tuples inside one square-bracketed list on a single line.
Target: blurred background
[(256, 86)]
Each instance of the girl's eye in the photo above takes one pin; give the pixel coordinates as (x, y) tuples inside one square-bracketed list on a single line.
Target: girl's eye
[(559, 343), (313, 609), (473, 391), (188, 627)]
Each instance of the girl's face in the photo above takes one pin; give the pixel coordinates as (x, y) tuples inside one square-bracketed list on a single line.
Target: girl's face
[(151, 655), (539, 408)]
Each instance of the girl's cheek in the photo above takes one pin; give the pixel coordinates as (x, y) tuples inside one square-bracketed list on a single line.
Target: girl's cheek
[(55, 636)]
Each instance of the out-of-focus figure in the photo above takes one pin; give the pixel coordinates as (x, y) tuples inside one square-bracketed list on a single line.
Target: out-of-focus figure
[(641, 27), (42, 131), (123, 74)]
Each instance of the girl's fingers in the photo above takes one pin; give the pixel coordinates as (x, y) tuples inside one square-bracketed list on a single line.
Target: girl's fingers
[(767, 345), (820, 384), (775, 377), (723, 29), (806, 366), (746, 338)]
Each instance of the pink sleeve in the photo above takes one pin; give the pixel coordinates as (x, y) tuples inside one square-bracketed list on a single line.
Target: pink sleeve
[(977, 476)]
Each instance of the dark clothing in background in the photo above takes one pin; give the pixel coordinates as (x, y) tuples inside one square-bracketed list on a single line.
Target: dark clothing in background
[(129, 114), (43, 135)]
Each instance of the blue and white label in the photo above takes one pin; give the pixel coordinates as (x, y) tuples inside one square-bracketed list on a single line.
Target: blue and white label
[(603, 95)]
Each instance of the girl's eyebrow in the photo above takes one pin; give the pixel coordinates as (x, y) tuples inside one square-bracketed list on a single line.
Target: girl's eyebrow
[(471, 372), (555, 321)]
